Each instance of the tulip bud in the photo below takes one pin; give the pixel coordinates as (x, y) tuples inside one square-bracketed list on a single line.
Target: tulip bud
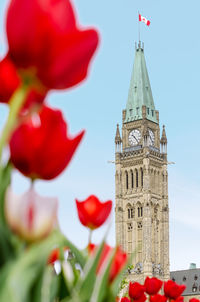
[(30, 215), (92, 212)]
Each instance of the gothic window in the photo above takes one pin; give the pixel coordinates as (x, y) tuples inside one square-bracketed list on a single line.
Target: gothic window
[(130, 213), (137, 110), (147, 110), (126, 180), (152, 112), (136, 174), (184, 279), (132, 179), (140, 211), (139, 225), (141, 177)]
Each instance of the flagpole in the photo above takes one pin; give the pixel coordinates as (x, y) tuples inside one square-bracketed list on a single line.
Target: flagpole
[(139, 26)]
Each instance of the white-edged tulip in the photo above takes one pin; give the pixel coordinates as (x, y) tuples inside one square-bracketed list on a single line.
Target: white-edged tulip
[(30, 215)]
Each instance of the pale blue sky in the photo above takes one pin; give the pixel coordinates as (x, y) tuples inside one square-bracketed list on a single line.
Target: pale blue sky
[(172, 51)]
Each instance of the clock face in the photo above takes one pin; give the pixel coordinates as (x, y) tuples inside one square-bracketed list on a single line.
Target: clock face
[(151, 138), (134, 137)]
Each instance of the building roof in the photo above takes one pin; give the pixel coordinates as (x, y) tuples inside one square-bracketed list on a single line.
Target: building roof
[(190, 277), (140, 90)]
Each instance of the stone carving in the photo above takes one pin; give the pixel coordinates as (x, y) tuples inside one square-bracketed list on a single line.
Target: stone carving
[(138, 269)]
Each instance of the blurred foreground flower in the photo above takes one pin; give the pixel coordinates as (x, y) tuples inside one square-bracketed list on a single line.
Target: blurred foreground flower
[(136, 291), (30, 215), (158, 298), (125, 299), (119, 261), (47, 46), (152, 285), (40, 147), (9, 80), (93, 213), (172, 290)]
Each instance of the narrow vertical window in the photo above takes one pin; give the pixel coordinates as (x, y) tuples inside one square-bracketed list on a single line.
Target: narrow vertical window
[(140, 211), (132, 179), (129, 214), (136, 174), (126, 180), (141, 177)]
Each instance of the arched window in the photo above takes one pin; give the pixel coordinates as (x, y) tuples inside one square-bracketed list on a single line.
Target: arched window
[(140, 211), (126, 180), (132, 179), (130, 213), (141, 177), (136, 175)]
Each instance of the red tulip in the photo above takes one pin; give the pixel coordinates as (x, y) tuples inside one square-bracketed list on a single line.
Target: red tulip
[(9, 80), (46, 44), (31, 216), (40, 147), (194, 300), (54, 256), (125, 299), (152, 285), (158, 298), (172, 290), (118, 263), (180, 299), (93, 213), (141, 299), (136, 291)]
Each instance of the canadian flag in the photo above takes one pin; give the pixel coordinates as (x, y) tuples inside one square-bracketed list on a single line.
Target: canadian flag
[(145, 20)]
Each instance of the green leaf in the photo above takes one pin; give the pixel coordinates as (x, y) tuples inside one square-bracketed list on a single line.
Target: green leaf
[(85, 285), (78, 254), (23, 273), (100, 289), (5, 178), (46, 287), (115, 287)]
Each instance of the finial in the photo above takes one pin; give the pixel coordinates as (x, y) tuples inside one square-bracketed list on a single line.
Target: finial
[(164, 137), (139, 45)]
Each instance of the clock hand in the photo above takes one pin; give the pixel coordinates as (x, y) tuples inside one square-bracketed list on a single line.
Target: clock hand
[(135, 138)]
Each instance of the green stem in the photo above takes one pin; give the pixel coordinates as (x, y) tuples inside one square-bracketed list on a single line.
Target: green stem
[(90, 237), (16, 103)]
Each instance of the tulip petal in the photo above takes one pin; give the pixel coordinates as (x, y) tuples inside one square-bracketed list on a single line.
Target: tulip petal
[(48, 149), (31, 215), (46, 39), (93, 213), (9, 80)]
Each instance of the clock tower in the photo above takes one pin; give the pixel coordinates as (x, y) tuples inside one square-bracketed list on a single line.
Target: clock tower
[(141, 180)]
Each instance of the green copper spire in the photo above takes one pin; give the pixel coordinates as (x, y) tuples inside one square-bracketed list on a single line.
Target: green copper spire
[(140, 91)]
